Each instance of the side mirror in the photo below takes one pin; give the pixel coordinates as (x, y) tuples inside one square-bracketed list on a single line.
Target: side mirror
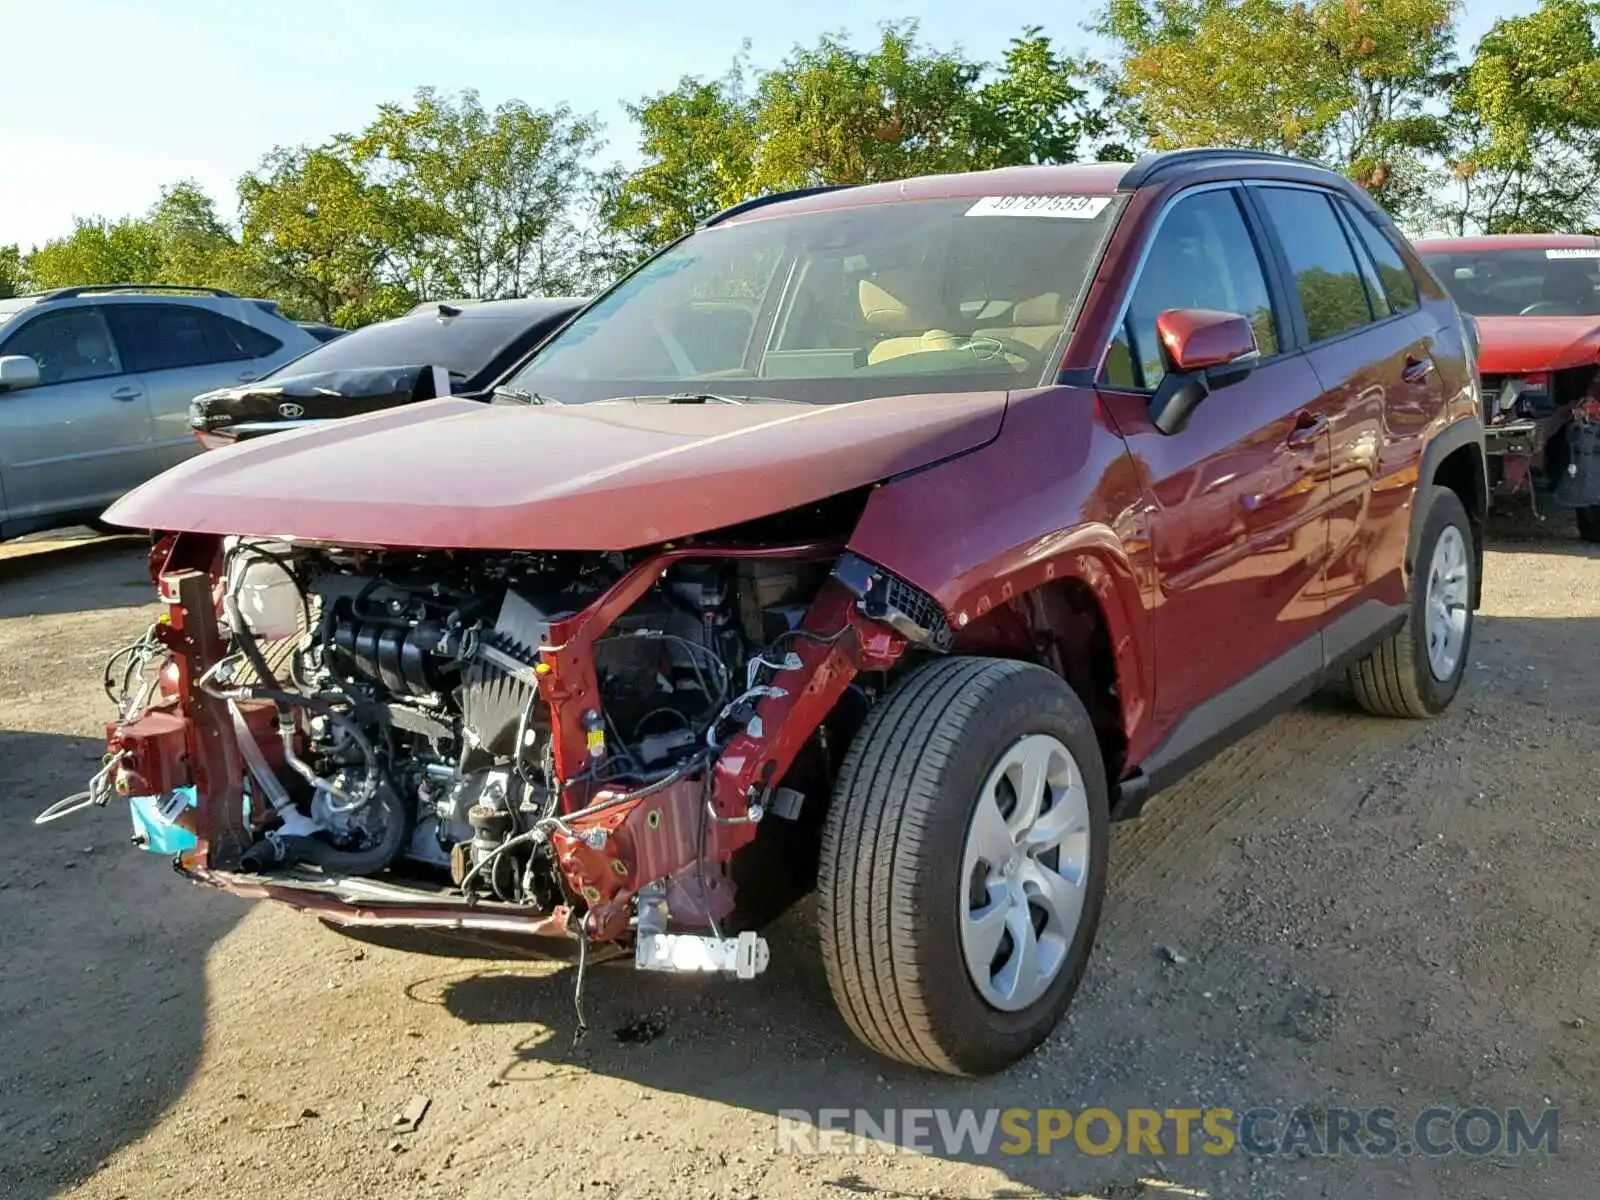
[(18, 371), (1204, 350)]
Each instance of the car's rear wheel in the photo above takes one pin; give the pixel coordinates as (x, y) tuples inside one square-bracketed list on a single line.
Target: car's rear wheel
[(964, 864), (1589, 523), (1417, 672)]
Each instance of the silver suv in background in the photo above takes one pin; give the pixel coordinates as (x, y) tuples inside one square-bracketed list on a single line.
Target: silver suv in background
[(95, 384)]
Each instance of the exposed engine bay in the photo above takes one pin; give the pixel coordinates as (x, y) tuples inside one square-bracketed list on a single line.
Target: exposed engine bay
[(417, 681), (1543, 434), (577, 745)]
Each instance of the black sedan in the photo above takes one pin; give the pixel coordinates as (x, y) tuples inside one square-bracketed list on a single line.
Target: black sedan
[(457, 347)]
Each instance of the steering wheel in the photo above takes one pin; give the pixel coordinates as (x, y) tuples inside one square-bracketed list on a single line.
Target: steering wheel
[(980, 342), (1548, 308)]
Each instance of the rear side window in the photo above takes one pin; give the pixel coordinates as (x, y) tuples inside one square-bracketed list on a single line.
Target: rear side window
[(69, 345), (1399, 286), (1203, 256), (1327, 277), (165, 337)]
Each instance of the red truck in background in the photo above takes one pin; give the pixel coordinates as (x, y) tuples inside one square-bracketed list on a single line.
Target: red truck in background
[(1536, 301)]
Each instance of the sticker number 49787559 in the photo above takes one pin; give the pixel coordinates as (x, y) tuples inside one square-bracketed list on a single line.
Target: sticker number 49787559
[(1082, 208)]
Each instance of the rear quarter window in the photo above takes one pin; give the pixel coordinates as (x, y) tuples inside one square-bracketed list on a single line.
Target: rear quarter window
[(1398, 283)]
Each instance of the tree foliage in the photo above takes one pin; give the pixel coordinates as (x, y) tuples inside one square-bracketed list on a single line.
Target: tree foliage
[(98, 251), (1344, 81), (487, 196), (1525, 154), (12, 281), (832, 114)]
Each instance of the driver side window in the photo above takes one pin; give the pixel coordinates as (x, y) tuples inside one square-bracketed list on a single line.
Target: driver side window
[(1203, 256), (69, 345)]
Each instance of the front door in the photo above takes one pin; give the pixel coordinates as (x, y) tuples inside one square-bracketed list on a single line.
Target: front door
[(1237, 498), (82, 437)]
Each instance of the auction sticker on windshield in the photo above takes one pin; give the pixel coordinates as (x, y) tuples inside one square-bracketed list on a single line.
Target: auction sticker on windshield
[(1572, 252), (1082, 208)]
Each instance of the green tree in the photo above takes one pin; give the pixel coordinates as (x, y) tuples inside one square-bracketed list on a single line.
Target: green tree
[(1526, 152), (12, 282), (1037, 109), (700, 143), (835, 114), (1346, 82), (196, 245), (180, 240), (322, 240), (97, 251), (832, 114), (487, 199)]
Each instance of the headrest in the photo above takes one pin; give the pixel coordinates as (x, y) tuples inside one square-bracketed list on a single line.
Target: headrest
[(894, 303), (1038, 310)]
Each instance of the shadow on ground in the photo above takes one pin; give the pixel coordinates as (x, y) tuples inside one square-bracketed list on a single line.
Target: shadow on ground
[(102, 994), (77, 577), (1514, 527)]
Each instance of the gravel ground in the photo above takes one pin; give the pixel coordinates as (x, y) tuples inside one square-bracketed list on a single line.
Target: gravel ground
[(1338, 912)]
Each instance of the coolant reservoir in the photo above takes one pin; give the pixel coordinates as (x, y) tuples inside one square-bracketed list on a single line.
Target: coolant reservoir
[(269, 601)]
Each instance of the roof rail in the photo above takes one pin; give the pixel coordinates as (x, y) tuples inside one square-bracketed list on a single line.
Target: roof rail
[(762, 201), (1152, 165), (68, 293)]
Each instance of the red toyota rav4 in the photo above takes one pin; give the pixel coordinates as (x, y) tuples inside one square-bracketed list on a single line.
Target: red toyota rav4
[(887, 541)]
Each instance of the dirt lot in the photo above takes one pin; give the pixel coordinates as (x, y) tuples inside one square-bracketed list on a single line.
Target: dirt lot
[(1340, 911)]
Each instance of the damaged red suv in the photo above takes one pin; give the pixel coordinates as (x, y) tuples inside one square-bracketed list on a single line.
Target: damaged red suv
[(1536, 301), (885, 541)]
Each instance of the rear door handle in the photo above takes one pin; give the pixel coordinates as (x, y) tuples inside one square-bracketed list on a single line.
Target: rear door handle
[(1416, 369), (126, 393), (1308, 430)]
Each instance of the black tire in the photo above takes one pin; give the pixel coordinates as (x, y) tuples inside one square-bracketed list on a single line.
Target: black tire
[(889, 883), (1589, 523), (1396, 680)]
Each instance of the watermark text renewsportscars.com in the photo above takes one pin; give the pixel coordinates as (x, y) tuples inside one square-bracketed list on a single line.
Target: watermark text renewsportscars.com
[(1171, 1132)]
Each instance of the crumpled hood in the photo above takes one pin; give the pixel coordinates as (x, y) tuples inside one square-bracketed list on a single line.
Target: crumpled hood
[(1517, 345), (457, 474)]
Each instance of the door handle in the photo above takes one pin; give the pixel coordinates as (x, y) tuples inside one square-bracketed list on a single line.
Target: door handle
[(1308, 430), (126, 393), (1416, 369)]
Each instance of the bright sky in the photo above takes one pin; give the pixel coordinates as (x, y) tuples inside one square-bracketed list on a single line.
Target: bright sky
[(103, 101)]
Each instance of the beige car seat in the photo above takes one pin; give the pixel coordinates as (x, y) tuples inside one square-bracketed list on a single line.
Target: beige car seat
[(902, 303)]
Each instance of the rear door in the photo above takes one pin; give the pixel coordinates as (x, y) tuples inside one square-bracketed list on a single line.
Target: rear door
[(83, 436), (180, 351), (1373, 356), (1238, 497)]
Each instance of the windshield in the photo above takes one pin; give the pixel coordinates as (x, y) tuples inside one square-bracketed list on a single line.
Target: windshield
[(844, 304), (463, 345), (1543, 283)]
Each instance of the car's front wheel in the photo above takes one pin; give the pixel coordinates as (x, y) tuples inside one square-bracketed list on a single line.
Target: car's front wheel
[(964, 865), (1589, 523)]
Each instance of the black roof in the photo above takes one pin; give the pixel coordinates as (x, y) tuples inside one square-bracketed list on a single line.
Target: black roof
[(1152, 167)]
